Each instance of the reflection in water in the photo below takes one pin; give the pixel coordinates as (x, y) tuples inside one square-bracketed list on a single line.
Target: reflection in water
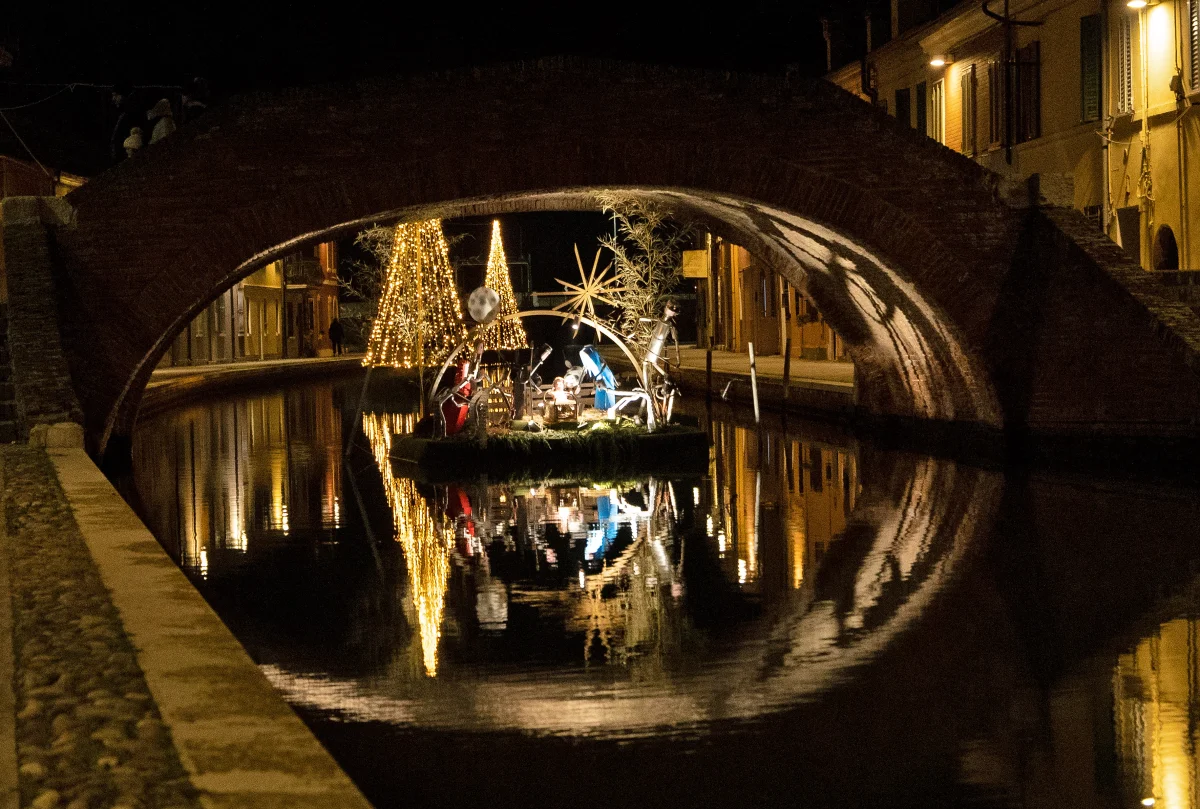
[(902, 630), (263, 466), (423, 537), (1156, 699)]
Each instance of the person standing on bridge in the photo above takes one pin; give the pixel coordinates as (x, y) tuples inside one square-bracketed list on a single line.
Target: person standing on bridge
[(336, 335), (129, 111), (164, 119)]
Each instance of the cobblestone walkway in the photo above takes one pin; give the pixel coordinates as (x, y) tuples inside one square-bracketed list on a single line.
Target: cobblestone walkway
[(87, 731)]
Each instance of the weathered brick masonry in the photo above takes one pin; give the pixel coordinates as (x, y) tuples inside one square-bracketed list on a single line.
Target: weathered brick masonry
[(40, 374), (956, 306)]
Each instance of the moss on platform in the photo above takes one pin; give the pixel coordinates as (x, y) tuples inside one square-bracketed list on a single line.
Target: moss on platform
[(598, 450)]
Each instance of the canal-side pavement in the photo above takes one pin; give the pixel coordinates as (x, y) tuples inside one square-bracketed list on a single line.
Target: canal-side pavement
[(170, 385), (119, 686), (817, 387)]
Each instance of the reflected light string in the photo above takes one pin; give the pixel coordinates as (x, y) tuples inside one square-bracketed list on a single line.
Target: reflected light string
[(422, 539)]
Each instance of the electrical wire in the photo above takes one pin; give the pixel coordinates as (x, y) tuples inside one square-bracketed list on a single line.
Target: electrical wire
[(39, 101), (96, 85), (21, 141)]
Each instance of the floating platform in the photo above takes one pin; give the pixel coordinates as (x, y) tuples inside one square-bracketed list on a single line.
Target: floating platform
[(603, 452)]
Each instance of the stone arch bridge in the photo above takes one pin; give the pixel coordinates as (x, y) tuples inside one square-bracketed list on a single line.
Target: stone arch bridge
[(958, 308)]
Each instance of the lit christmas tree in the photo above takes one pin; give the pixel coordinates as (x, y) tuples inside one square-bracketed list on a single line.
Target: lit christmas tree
[(420, 319), (508, 333)]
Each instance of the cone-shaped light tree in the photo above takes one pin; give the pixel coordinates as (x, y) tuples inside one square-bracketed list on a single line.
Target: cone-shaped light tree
[(507, 333), (420, 318)]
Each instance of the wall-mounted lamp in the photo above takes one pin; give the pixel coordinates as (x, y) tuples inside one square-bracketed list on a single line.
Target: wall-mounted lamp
[(1138, 5), (941, 60)]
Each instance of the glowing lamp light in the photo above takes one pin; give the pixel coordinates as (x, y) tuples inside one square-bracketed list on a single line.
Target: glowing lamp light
[(1145, 801), (575, 321), (941, 60), (1137, 4)]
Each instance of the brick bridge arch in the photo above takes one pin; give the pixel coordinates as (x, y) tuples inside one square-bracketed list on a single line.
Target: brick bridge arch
[(955, 307)]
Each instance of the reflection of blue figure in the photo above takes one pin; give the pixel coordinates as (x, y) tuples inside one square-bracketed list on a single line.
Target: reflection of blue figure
[(598, 369), (606, 510)]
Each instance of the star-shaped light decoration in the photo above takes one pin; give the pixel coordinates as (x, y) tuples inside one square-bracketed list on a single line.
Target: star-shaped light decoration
[(592, 287)]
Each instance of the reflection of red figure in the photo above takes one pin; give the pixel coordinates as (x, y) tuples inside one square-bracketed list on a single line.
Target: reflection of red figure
[(455, 407), (458, 508), (457, 502)]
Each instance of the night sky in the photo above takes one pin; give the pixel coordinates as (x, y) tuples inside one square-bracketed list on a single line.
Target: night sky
[(251, 47), (66, 58)]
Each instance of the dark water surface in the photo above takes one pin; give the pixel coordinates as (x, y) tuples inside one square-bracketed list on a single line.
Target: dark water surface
[(812, 621)]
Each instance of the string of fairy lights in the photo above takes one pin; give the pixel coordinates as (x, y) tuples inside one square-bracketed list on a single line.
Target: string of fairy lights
[(423, 538), (505, 333), (420, 319)]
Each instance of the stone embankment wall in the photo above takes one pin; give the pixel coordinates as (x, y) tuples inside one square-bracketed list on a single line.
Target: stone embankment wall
[(37, 300)]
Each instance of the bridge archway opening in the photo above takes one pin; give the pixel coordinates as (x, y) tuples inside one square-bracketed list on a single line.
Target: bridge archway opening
[(909, 361)]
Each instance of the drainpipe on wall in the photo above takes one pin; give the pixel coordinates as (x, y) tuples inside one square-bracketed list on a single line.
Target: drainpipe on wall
[(895, 19), (1181, 165), (1105, 77), (828, 44), (1145, 175), (1007, 86), (283, 319)]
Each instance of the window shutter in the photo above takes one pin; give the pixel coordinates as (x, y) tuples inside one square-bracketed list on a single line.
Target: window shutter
[(1089, 67), (920, 102), (1124, 64), (937, 111), (1194, 42), (967, 107), (1028, 106), (995, 102)]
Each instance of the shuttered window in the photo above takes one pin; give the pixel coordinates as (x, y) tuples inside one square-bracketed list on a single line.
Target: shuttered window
[(1089, 67), (937, 112), (995, 103), (967, 108), (1194, 42), (1027, 106), (919, 103), (1124, 65)]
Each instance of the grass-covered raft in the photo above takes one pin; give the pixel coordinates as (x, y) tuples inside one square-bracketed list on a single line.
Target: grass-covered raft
[(602, 450)]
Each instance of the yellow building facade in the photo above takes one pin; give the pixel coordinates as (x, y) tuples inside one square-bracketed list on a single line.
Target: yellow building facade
[(281, 310), (741, 299), (1093, 99)]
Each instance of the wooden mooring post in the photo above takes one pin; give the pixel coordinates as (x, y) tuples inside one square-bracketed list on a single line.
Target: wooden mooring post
[(753, 382), (708, 388), (787, 370)]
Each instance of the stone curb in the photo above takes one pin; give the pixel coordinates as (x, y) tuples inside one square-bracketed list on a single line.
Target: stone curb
[(240, 743), (169, 389), (10, 795)]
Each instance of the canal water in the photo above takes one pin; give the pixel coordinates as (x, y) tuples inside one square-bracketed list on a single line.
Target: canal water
[(810, 621)]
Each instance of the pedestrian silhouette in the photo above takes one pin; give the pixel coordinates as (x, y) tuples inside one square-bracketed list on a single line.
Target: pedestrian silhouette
[(164, 120), (336, 334)]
